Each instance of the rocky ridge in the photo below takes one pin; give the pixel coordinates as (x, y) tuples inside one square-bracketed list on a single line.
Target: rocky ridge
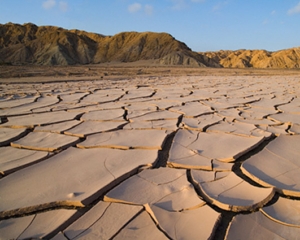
[(48, 45)]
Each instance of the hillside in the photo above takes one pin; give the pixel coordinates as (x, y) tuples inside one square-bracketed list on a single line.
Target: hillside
[(288, 58), (48, 45)]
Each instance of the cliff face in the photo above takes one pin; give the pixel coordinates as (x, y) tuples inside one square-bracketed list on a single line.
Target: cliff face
[(47, 45), (288, 58)]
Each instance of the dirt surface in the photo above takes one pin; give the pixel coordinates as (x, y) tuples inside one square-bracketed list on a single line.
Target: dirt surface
[(113, 71)]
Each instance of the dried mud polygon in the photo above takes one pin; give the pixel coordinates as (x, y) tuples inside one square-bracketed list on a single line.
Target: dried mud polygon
[(187, 157)]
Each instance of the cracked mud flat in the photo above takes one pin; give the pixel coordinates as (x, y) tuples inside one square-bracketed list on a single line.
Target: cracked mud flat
[(185, 157)]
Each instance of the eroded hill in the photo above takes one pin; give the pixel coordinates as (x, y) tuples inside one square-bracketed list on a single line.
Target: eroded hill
[(288, 58), (48, 45)]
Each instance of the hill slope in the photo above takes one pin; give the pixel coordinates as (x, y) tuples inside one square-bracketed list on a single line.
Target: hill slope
[(288, 58), (48, 45)]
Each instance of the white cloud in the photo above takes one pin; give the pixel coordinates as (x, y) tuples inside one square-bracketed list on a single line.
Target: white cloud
[(178, 4), (181, 4), (135, 7), (219, 5), (273, 12), (265, 22), (63, 6), (148, 9), (49, 4), (294, 10)]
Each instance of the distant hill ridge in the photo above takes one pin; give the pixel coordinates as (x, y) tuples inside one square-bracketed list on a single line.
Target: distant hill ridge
[(49, 45), (288, 58)]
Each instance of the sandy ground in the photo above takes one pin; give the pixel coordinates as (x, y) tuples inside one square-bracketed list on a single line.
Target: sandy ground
[(123, 151)]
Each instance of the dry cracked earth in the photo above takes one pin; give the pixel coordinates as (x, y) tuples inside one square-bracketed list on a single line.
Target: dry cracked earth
[(151, 158)]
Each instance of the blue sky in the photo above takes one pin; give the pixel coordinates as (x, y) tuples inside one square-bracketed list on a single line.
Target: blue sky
[(204, 25)]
